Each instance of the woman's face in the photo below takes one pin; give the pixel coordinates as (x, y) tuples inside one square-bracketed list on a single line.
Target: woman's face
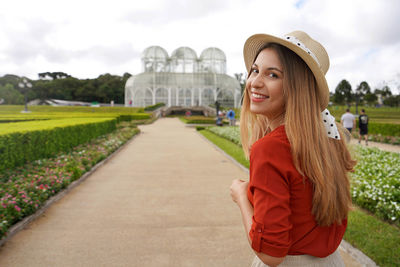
[(265, 85)]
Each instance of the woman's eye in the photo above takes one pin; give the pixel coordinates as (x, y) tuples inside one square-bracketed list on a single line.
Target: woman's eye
[(254, 71), (273, 75)]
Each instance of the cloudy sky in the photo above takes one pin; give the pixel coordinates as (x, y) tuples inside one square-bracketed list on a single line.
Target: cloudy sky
[(86, 38)]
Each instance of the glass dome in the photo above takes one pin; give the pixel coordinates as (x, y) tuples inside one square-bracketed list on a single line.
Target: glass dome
[(184, 59), (182, 79), (213, 59), (155, 58), (213, 53)]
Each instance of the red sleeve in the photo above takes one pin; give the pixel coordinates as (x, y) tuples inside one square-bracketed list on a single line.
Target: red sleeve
[(269, 185)]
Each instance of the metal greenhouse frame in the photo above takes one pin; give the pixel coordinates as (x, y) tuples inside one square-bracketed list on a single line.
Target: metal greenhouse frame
[(182, 79)]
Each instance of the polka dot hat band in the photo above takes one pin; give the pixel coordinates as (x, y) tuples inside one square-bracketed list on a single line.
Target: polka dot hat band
[(330, 125)]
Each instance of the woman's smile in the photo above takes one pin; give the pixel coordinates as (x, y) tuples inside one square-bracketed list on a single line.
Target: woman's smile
[(257, 97)]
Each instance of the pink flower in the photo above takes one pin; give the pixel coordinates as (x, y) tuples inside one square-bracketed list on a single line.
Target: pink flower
[(17, 208)]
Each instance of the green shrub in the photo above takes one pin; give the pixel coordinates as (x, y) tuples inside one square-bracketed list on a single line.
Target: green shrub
[(387, 129), (199, 120), (154, 107), (130, 117), (20, 147)]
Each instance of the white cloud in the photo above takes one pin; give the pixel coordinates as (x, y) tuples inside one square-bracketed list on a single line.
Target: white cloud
[(89, 38)]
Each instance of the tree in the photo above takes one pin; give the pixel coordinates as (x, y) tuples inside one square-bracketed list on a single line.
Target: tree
[(370, 99), (10, 79), (10, 95), (392, 101), (59, 85), (363, 88), (384, 92), (53, 75), (343, 93), (126, 76)]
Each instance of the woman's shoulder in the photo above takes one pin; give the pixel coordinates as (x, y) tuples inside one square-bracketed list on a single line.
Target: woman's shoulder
[(272, 143)]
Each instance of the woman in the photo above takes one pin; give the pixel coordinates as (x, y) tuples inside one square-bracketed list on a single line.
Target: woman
[(295, 206)]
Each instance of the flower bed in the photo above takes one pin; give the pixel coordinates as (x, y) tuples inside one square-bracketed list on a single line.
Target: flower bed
[(230, 133), (25, 189), (376, 183)]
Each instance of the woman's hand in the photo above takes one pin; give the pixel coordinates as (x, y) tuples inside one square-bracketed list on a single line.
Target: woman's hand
[(238, 190)]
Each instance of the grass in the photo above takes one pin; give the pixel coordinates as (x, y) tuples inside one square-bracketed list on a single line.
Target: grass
[(380, 115), (230, 148), (16, 109), (375, 238)]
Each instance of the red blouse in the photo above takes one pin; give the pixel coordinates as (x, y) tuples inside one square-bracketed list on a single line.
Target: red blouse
[(282, 200)]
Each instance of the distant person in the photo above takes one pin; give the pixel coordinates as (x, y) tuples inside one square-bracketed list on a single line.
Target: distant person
[(231, 116), (348, 120), (220, 118), (363, 126), (188, 113)]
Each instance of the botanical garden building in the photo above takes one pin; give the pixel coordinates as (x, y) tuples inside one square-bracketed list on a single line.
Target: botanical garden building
[(182, 79)]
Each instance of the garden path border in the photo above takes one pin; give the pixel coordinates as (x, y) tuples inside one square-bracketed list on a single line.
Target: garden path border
[(27, 220), (355, 253)]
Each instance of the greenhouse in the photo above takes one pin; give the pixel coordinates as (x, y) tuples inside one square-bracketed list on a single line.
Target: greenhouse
[(182, 79)]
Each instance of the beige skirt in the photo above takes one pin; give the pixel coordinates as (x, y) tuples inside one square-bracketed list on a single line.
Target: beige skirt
[(333, 260)]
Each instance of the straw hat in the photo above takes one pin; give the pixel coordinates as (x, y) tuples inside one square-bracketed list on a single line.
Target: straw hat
[(312, 52)]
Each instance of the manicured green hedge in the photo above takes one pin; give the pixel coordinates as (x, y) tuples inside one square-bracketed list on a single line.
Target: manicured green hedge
[(18, 148), (384, 129), (137, 116), (154, 107), (16, 109), (199, 120)]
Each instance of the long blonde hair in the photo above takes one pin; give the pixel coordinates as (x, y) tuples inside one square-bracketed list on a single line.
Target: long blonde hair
[(325, 161)]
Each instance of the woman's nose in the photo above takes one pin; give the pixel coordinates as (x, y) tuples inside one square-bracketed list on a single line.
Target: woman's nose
[(257, 82)]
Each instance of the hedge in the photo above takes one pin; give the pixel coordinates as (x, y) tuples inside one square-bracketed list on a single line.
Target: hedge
[(137, 116), (199, 120), (17, 148), (5, 118), (154, 107), (384, 128)]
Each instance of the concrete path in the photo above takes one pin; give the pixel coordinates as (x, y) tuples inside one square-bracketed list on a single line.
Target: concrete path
[(163, 200), (382, 146)]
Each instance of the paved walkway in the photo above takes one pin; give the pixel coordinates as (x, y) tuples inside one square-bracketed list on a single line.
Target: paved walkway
[(163, 200), (382, 146)]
